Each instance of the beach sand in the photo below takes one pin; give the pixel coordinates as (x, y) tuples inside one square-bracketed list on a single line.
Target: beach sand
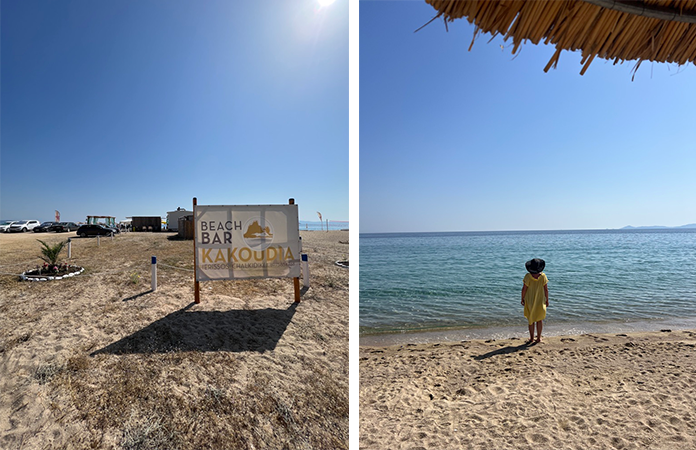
[(592, 391), (100, 361)]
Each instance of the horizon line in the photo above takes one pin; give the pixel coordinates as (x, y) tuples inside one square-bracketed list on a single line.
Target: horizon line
[(627, 227)]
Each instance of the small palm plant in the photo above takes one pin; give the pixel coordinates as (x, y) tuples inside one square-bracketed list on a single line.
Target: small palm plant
[(50, 252)]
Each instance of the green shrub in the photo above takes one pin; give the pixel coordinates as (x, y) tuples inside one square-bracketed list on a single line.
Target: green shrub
[(50, 253)]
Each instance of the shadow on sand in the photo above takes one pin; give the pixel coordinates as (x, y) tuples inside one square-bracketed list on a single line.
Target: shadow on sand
[(503, 351), (133, 297), (207, 331), (176, 237)]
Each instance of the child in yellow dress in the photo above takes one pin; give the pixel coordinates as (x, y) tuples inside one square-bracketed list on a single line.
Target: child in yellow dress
[(535, 296)]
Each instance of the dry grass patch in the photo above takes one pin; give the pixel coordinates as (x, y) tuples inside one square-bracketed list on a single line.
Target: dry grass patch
[(151, 403), (99, 361)]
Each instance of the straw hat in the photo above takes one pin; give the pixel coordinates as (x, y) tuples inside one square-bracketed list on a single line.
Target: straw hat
[(535, 265)]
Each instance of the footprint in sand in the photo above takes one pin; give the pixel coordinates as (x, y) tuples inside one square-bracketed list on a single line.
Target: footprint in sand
[(498, 390), (579, 421), (617, 442), (539, 438)]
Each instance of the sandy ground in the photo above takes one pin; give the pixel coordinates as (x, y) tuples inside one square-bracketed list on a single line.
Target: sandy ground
[(608, 391), (100, 361)]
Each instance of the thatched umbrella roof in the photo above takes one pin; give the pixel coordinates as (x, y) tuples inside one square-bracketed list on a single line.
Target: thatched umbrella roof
[(619, 30)]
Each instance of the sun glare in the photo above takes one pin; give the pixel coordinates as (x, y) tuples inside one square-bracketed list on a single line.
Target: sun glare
[(324, 3)]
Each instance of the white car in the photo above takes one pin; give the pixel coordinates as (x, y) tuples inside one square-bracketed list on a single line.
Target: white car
[(23, 226), (5, 226)]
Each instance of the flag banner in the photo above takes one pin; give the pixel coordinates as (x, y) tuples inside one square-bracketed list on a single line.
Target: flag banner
[(57, 216), (246, 241)]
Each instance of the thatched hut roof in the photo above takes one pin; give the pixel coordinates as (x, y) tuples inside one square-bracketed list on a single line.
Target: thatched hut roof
[(619, 30)]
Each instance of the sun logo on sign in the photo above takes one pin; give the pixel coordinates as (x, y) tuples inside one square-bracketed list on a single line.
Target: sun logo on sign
[(258, 234)]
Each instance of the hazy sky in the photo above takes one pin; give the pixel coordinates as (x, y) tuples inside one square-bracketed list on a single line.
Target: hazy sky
[(130, 107), (452, 140)]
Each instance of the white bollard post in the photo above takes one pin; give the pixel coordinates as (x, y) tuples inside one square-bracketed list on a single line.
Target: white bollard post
[(98, 241), (305, 270), (154, 273), (112, 235), (69, 248)]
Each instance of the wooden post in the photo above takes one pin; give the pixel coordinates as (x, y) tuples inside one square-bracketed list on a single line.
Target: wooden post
[(196, 283), (295, 280), (296, 283)]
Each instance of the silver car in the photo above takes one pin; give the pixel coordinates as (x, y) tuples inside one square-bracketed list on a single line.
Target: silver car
[(5, 225), (23, 226)]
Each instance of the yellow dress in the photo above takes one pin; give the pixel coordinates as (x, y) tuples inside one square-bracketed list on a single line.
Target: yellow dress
[(534, 298)]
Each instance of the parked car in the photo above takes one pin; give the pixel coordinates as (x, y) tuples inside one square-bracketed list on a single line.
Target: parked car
[(23, 226), (5, 226), (94, 230), (44, 227), (64, 226), (115, 230)]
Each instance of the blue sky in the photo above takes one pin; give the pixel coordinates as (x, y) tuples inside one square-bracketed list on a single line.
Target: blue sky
[(452, 140), (135, 107)]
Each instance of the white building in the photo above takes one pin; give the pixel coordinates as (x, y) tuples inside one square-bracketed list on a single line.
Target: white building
[(173, 218)]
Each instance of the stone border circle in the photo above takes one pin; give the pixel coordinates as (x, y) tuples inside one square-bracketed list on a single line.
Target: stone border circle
[(25, 277)]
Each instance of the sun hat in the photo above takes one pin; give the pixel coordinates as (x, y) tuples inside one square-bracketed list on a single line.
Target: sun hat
[(535, 265)]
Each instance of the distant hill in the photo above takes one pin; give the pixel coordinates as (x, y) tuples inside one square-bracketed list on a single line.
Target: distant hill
[(657, 227)]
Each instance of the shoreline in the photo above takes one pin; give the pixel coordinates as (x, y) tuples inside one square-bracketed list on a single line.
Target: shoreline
[(614, 390), (551, 329)]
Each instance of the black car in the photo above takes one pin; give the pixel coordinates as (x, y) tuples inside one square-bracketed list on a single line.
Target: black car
[(64, 226), (44, 227), (94, 230)]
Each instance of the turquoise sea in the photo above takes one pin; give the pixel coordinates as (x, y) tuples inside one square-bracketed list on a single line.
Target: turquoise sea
[(423, 286)]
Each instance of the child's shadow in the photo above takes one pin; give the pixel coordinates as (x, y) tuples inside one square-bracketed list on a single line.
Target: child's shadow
[(504, 351)]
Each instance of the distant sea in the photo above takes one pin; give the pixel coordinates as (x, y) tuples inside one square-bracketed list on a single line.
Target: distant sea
[(318, 226), (440, 286), (306, 225)]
